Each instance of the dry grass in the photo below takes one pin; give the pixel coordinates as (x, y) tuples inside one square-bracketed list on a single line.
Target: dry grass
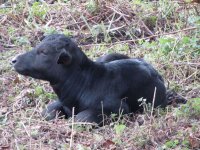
[(138, 29)]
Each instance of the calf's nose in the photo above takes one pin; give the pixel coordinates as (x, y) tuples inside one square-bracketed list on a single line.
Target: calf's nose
[(14, 61)]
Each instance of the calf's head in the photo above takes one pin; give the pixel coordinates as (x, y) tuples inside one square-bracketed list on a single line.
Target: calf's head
[(54, 57)]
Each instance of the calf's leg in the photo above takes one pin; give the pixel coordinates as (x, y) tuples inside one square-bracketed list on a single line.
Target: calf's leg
[(56, 109), (89, 115)]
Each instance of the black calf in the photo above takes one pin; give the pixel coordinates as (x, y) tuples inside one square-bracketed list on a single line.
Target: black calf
[(88, 86)]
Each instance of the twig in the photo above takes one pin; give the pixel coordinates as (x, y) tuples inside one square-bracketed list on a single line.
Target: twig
[(2, 7), (117, 28), (3, 19), (72, 132), (75, 21), (120, 111), (118, 11), (187, 63), (154, 97), (35, 109), (87, 25), (102, 112), (25, 129), (8, 46), (89, 19), (147, 29), (49, 22), (110, 24), (188, 77), (17, 145), (153, 102)]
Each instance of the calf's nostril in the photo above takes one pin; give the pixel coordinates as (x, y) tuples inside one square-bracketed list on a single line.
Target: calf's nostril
[(14, 61)]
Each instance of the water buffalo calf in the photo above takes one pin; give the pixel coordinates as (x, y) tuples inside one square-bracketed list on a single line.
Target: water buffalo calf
[(90, 87)]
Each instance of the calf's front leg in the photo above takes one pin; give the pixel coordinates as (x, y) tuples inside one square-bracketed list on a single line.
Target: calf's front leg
[(56, 109)]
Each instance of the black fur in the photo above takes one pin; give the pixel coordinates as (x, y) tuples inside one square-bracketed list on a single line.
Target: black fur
[(88, 86)]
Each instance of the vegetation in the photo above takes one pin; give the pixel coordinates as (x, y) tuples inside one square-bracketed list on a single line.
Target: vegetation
[(164, 32)]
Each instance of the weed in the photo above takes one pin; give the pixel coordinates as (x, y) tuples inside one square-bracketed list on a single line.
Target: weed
[(38, 91), (119, 128), (22, 41), (172, 143), (185, 143), (81, 127), (39, 10), (146, 107), (11, 30), (67, 32), (92, 6), (49, 30), (5, 11), (167, 8), (190, 109), (166, 46)]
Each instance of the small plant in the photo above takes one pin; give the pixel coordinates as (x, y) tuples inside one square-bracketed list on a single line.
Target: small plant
[(191, 109), (92, 6), (167, 8), (146, 107), (39, 10), (151, 22), (67, 32), (82, 127), (38, 91), (101, 29), (172, 143), (11, 31), (113, 116), (49, 30), (185, 143), (50, 95), (119, 128), (22, 40), (166, 44)]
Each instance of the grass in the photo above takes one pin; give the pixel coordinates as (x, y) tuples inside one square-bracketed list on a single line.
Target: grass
[(164, 32)]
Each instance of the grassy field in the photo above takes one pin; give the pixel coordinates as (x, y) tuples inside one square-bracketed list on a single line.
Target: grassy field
[(166, 33)]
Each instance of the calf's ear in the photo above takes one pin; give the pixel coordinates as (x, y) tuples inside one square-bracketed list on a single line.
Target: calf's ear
[(64, 58)]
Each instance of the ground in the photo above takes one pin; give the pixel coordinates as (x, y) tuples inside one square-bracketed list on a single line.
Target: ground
[(166, 33)]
